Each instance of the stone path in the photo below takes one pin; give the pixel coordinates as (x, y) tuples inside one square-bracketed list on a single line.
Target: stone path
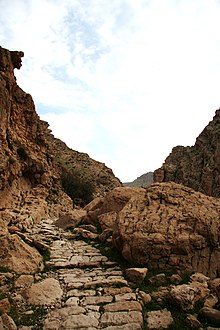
[(95, 294)]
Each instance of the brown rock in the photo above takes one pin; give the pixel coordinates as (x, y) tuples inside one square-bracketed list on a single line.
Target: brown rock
[(80, 322), (198, 166), (175, 279), (193, 321), (114, 291), (3, 227), (105, 210), (85, 233), (215, 285), (70, 220), (4, 306), (123, 306), (210, 315), (46, 292), (186, 295), (24, 281), (145, 297), (17, 256), (211, 301), (119, 318), (160, 319), (158, 279), (7, 323), (136, 275), (131, 326), (169, 226)]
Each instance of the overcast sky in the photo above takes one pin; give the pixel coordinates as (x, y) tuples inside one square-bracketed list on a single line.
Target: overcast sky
[(122, 80)]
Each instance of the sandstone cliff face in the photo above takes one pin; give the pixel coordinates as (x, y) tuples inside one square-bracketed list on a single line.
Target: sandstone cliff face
[(198, 166), (31, 159)]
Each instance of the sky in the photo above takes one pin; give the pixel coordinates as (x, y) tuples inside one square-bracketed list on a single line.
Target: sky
[(122, 80)]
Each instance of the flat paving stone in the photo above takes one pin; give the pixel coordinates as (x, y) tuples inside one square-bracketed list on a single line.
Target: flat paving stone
[(120, 318), (76, 322), (96, 295)]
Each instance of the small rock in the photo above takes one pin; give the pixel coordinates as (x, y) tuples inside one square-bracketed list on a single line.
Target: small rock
[(105, 234), (6, 322), (175, 279), (215, 285), (4, 306), (199, 277), (158, 279), (24, 281), (76, 322), (210, 315), (123, 306), (119, 318), (193, 321), (211, 301), (73, 301), (160, 319), (85, 233), (145, 297), (136, 275)]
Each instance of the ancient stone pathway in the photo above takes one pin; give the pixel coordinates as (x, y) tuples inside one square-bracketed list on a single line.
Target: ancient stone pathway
[(92, 292)]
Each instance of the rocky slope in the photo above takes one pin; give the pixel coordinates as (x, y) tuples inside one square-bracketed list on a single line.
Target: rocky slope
[(142, 181), (32, 161), (56, 279), (198, 166), (166, 226)]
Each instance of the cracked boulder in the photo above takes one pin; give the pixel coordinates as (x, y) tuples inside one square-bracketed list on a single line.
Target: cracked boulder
[(170, 227)]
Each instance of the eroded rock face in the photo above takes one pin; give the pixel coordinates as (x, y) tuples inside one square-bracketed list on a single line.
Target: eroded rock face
[(198, 166), (169, 226), (18, 256), (31, 159)]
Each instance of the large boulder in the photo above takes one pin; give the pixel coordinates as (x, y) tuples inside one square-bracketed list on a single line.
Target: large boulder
[(104, 210), (169, 226), (18, 256)]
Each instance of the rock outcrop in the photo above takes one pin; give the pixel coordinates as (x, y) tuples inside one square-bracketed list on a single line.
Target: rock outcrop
[(32, 165), (170, 226), (198, 166), (165, 226), (32, 161)]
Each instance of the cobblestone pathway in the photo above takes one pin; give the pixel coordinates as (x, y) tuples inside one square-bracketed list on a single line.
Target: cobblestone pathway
[(95, 293)]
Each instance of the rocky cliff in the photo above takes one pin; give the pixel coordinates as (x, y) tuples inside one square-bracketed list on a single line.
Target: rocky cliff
[(32, 161), (198, 166)]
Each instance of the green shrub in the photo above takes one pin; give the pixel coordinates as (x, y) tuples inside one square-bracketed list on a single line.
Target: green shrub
[(77, 188)]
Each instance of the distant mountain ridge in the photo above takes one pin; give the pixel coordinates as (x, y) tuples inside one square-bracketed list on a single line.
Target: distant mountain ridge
[(142, 181)]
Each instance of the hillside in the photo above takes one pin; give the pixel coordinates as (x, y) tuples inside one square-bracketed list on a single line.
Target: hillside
[(35, 166), (142, 181), (198, 166), (80, 251)]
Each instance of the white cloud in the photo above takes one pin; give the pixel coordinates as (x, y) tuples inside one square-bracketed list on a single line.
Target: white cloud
[(132, 78)]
